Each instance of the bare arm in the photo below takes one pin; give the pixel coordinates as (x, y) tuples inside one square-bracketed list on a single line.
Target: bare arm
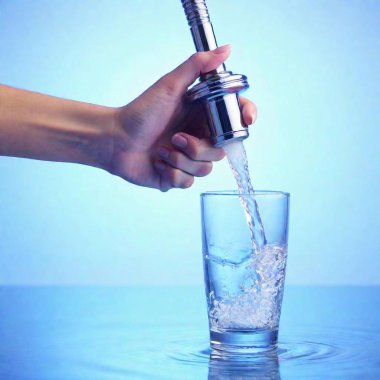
[(43, 127)]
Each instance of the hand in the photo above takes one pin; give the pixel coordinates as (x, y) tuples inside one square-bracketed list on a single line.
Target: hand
[(160, 140)]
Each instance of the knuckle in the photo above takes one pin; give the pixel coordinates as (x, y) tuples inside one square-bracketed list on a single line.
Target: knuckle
[(179, 180), (174, 177), (195, 59), (193, 151), (205, 169), (172, 88), (219, 154), (168, 85), (164, 185), (188, 183), (175, 158)]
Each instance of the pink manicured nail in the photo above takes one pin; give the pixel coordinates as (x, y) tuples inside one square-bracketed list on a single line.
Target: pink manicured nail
[(179, 141), (159, 166), (222, 49), (163, 152)]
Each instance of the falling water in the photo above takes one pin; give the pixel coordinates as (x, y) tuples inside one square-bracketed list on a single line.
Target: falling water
[(237, 159)]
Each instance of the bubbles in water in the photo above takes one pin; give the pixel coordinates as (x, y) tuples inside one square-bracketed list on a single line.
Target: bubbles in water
[(258, 303), (259, 275)]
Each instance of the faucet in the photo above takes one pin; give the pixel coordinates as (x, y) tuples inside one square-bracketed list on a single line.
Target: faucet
[(219, 89)]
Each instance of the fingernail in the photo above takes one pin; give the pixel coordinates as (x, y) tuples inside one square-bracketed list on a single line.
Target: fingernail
[(159, 165), (163, 152), (252, 118), (179, 141), (222, 49)]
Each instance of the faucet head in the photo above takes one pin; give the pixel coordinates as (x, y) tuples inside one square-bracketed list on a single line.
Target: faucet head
[(219, 95)]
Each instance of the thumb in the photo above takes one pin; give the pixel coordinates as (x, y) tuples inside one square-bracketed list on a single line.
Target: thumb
[(185, 74)]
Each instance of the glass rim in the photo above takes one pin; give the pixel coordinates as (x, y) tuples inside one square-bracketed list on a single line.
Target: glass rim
[(234, 193)]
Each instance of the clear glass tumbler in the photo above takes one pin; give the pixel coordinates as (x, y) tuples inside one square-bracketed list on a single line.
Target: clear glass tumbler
[(244, 284)]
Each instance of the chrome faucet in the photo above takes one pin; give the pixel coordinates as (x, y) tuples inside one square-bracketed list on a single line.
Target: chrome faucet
[(218, 90)]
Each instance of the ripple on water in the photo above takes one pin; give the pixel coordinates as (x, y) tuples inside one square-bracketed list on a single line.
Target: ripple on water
[(303, 352), (317, 350)]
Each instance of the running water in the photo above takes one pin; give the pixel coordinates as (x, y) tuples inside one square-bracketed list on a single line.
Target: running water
[(250, 295), (237, 159)]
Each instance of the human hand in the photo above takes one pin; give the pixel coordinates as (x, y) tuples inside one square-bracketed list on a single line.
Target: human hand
[(159, 139)]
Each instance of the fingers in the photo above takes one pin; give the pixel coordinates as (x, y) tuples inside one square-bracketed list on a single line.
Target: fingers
[(188, 157), (179, 160), (197, 149), (248, 110), (178, 80), (172, 177)]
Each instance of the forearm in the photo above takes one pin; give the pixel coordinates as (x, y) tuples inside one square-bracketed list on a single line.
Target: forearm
[(43, 127)]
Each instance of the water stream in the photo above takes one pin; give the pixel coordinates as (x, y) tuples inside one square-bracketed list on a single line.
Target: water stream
[(237, 159)]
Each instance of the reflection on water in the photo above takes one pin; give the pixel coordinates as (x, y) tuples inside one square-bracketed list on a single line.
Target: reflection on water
[(244, 367), (98, 333), (305, 352)]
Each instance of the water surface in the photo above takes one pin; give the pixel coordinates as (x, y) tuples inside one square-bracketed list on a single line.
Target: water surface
[(161, 333)]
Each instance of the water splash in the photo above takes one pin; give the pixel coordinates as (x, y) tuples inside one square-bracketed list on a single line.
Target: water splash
[(258, 303)]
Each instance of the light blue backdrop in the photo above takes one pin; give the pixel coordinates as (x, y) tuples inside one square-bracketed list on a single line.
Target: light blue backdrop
[(314, 67)]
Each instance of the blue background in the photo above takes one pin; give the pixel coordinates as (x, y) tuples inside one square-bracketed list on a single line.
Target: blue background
[(314, 70)]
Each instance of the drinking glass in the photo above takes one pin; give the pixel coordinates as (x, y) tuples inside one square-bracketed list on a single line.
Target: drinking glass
[(244, 282)]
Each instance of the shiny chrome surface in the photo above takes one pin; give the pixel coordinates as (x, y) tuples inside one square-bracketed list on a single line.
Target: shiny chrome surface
[(219, 85), (200, 25), (218, 90), (224, 119)]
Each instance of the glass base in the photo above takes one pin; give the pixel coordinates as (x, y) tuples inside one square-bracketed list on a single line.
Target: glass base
[(249, 341)]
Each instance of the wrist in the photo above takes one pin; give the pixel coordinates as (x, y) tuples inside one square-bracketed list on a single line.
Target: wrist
[(94, 135)]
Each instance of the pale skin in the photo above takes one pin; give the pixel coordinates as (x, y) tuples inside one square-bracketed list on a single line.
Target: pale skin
[(159, 140)]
